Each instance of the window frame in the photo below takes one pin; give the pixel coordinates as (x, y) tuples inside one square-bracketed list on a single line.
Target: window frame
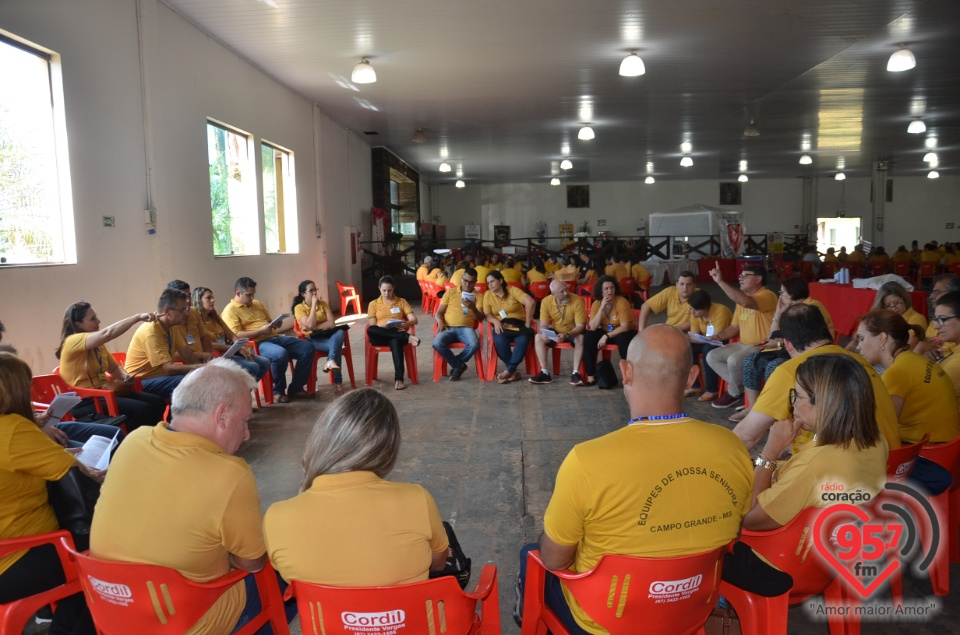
[(249, 191)]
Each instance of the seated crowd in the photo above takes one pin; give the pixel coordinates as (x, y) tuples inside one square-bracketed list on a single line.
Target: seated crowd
[(828, 415)]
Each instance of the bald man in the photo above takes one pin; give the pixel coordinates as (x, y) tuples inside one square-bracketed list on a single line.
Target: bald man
[(663, 484), (566, 316)]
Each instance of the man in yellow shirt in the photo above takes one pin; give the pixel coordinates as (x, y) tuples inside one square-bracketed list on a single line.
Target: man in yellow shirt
[(662, 485), (457, 320), (565, 316), (176, 496), (707, 319), (674, 300), (427, 271), (751, 321)]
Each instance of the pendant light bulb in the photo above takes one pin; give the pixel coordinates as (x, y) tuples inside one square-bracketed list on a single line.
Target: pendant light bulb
[(632, 66)]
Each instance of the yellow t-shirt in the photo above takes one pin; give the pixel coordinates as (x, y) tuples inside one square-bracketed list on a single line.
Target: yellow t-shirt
[(512, 304), (912, 317), (302, 310), (80, 367), (620, 270), (422, 272), (151, 348), (568, 273), (364, 531), (28, 459), (550, 267), (193, 331), (880, 259), (856, 256), (774, 398), (831, 258), (951, 365), (823, 311), (933, 333), (399, 309), (719, 318), (565, 317), (143, 514), (929, 401), (928, 255), (214, 328), (509, 274), (240, 317), (434, 274), (755, 323), (454, 313), (619, 313), (902, 256), (609, 271), (482, 273), (802, 481), (535, 276), (640, 273), (678, 311), (658, 490), (455, 278)]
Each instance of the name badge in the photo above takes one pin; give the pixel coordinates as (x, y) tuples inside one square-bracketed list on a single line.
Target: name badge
[(609, 327), (190, 339), (395, 310), (709, 330), (221, 340), (503, 314)]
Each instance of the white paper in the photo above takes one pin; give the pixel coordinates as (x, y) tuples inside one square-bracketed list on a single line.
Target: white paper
[(392, 324), (236, 346), (702, 340), (550, 334), (62, 404), (95, 453), (280, 318)]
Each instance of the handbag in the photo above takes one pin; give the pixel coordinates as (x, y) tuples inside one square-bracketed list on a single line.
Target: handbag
[(458, 564), (606, 376), (517, 325), (73, 498), (722, 621), (324, 333)]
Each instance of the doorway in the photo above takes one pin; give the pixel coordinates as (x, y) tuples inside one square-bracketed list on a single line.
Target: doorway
[(838, 232)]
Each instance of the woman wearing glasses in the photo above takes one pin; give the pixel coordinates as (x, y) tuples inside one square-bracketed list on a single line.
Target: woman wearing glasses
[(947, 321), (892, 296), (921, 391)]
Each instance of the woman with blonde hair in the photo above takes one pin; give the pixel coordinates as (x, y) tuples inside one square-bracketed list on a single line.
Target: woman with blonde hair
[(363, 530)]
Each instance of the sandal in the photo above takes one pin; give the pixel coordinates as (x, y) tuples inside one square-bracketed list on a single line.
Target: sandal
[(691, 392), (329, 366), (399, 385), (504, 377), (707, 396), (739, 416), (415, 341), (338, 389), (516, 376)]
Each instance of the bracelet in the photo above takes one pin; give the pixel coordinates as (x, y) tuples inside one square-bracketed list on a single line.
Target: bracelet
[(765, 463)]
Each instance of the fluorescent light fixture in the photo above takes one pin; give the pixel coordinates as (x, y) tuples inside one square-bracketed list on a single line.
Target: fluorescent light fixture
[(566, 164), (632, 66), (805, 159), (363, 73), (743, 178), (649, 180), (460, 183), (931, 157), (933, 174), (444, 167), (840, 176), (917, 126), (902, 60), (686, 161), (586, 133)]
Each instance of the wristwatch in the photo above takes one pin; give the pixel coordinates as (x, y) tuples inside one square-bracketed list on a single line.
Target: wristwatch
[(762, 461)]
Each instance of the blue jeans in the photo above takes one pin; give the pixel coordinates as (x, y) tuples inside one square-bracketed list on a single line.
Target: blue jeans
[(279, 350), (711, 382), (513, 359), (163, 385), (257, 368), (332, 345), (464, 334), (81, 431), (253, 605), (552, 593), (140, 408)]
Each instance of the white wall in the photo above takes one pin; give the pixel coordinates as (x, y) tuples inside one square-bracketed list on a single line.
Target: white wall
[(189, 77)]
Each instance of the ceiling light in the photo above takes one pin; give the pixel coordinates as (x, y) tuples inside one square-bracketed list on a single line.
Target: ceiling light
[(743, 178), (751, 130), (743, 166), (686, 147), (554, 181), (444, 167), (902, 60), (686, 161), (632, 66), (931, 157), (418, 136), (917, 126), (566, 164), (840, 176), (805, 159), (933, 174), (649, 180), (363, 73), (586, 133), (460, 183)]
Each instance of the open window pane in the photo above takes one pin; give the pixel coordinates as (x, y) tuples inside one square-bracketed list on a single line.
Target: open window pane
[(36, 215), (233, 192), (279, 200)]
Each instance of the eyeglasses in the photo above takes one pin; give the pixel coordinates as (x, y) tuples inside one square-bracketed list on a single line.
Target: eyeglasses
[(745, 274), (941, 320), (893, 304), (794, 395), (467, 280)]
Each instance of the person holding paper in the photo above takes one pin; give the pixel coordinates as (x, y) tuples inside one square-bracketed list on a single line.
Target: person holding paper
[(500, 303), (707, 318), (28, 459), (316, 322), (85, 362), (222, 338), (248, 318), (457, 320), (567, 315), (389, 318)]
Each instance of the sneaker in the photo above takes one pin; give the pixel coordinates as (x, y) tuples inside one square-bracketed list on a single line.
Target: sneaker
[(575, 379), (518, 603), (44, 615), (726, 400), (458, 373), (541, 378)]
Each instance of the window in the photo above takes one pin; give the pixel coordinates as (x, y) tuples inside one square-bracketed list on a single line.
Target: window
[(36, 207), (279, 200), (233, 192)]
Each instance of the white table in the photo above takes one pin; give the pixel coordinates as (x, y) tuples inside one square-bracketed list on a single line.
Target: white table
[(661, 269)]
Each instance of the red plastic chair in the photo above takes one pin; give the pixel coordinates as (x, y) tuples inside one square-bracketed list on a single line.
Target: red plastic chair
[(955, 268), (878, 268), (432, 291), (424, 299), (627, 287), (45, 388), (480, 287), (902, 269), (529, 359), (926, 270), (607, 349), (827, 269), (518, 285), (371, 358), (348, 295), (433, 606), (440, 364), (806, 270), (15, 615), (572, 286), (947, 507), (345, 354), (621, 593), (900, 464), (790, 548), (266, 382), (540, 290), (125, 597)]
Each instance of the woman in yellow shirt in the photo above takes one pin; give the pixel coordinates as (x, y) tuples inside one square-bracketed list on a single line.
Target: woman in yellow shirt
[(315, 320), (222, 335), (538, 271), (894, 297), (389, 318), (502, 302)]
